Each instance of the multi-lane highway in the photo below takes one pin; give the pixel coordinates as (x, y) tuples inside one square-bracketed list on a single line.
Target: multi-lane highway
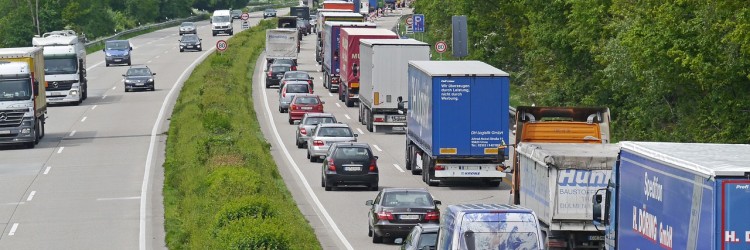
[(339, 217), (95, 180)]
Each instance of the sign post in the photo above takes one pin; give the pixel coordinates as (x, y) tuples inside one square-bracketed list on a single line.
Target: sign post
[(441, 47), (409, 25), (221, 45), (418, 23), (245, 24)]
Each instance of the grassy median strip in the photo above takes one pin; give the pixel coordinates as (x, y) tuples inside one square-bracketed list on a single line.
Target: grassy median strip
[(222, 189)]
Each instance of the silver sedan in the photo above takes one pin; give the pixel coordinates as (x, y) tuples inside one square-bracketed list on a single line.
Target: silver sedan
[(307, 125), (326, 134)]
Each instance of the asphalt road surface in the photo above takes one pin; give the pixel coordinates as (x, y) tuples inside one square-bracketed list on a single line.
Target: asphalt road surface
[(339, 217), (95, 180)]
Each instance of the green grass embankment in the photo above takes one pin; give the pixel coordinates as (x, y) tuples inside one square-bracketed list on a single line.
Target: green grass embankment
[(222, 189)]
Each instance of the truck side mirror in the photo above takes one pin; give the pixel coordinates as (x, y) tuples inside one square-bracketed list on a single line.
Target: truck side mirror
[(599, 215)]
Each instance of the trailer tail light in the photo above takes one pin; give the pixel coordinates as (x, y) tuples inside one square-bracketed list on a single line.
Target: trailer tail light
[(318, 143), (331, 166), (430, 216), (379, 118), (303, 131), (556, 243), (374, 165), (439, 167), (500, 168), (385, 216)]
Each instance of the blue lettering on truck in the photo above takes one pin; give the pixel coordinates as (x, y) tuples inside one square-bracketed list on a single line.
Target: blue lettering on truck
[(735, 217)]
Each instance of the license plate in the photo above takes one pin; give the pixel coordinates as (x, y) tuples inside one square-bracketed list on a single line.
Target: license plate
[(4, 132), (596, 237), (139, 84), (470, 168), (307, 108), (117, 60), (398, 118), (56, 99), (409, 217), (353, 168)]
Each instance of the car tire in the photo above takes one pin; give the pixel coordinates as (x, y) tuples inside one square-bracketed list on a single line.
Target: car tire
[(308, 154), (129, 63), (374, 187), (299, 144), (313, 158), (328, 187), (106, 65), (182, 50), (281, 110), (376, 238), (291, 122), (369, 231)]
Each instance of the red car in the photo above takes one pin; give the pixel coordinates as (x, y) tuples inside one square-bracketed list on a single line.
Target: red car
[(302, 104)]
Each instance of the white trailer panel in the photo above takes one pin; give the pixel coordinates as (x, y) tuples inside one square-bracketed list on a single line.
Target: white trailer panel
[(281, 43)]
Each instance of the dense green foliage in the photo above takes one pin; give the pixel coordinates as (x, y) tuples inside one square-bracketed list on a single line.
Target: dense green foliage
[(222, 188), (668, 70)]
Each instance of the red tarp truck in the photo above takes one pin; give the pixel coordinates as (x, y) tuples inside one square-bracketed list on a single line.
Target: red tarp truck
[(349, 84)]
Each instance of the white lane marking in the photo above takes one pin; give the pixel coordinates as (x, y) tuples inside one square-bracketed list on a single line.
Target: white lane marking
[(149, 61), (94, 107), (321, 78), (376, 147), (15, 203), (338, 105), (46, 171), (72, 133), (31, 196), (347, 116), (119, 198), (329, 94), (122, 80), (84, 118), (152, 147), (13, 229), (397, 167), (299, 173), (166, 51), (94, 66), (360, 131), (60, 150), (157, 56), (104, 96), (114, 87)]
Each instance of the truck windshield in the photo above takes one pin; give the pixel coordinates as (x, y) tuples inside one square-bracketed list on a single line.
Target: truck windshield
[(15, 90), (118, 45), (220, 19), (60, 66)]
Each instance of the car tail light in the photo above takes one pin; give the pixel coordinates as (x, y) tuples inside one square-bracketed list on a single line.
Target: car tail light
[(331, 166), (270, 73), (293, 107), (283, 94), (430, 216), (374, 165), (385, 216), (303, 131), (319, 107), (439, 167), (318, 143), (294, 68)]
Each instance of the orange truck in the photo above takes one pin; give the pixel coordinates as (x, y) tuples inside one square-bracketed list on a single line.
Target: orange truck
[(557, 125), (341, 5)]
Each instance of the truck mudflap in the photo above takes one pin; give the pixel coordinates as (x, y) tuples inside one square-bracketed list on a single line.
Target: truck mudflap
[(469, 171)]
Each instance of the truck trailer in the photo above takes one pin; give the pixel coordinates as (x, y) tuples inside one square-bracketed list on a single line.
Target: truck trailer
[(65, 71), (457, 123), (350, 65), (558, 180), (383, 79), (330, 51), (23, 106), (665, 195), (341, 5), (281, 44)]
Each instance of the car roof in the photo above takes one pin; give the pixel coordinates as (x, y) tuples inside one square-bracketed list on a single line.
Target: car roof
[(138, 67), (188, 23), (318, 115), (281, 64), (297, 71), (333, 125), (352, 144), (429, 228), (386, 190)]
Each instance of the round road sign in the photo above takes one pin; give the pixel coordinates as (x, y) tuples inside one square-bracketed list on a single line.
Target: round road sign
[(409, 20), (221, 45), (244, 16), (441, 46)]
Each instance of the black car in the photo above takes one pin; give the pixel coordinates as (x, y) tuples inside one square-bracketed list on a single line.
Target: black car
[(303, 26), (190, 42), (236, 14), (421, 237), (139, 77), (269, 13), (275, 73), (395, 211), (348, 163), (287, 61)]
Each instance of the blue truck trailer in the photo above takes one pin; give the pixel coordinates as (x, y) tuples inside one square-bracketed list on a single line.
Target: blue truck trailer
[(677, 196), (330, 51), (457, 121)]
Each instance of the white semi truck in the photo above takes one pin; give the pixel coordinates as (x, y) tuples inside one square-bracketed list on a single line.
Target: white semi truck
[(23, 108), (65, 66)]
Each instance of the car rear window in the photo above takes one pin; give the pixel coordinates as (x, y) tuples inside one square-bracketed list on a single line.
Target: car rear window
[(297, 88), (407, 199), (335, 132), (280, 68), (498, 231), (296, 75), (306, 100), (351, 153), (318, 120)]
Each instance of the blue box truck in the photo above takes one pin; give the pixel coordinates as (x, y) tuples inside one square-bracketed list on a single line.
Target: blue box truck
[(457, 121), (677, 196)]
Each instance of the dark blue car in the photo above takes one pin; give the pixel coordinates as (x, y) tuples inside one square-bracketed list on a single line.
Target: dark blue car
[(117, 52)]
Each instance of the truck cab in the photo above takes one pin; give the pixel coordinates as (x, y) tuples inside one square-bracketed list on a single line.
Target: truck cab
[(23, 108), (488, 226), (221, 23), (65, 66)]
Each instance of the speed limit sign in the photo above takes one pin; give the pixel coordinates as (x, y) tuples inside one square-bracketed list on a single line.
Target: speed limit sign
[(441, 47), (221, 45)]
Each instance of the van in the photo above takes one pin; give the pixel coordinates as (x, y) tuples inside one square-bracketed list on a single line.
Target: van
[(221, 23), (488, 226), (117, 52)]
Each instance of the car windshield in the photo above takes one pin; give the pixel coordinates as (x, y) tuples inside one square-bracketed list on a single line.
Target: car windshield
[(296, 75), (186, 25), (297, 88), (117, 45), (279, 68), (138, 72), (498, 231), (60, 66), (407, 199), (220, 19), (306, 100), (335, 132), (270, 10), (15, 90), (236, 12), (318, 120), (427, 239), (189, 38), (351, 153)]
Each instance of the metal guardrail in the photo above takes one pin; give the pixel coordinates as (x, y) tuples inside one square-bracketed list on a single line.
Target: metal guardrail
[(144, 27)]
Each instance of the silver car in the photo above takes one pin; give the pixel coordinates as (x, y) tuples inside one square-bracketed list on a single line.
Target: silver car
[(287, 93), (307, 125), (326, 134), (188, 28)]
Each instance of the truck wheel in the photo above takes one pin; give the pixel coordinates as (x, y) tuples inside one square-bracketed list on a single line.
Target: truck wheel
[(359, 118), (369, 125), (85, 92), (409, 153), (349, 102), (42, 129)]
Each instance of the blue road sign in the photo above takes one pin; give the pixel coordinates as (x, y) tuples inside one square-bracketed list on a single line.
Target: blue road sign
[(418, 23)]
